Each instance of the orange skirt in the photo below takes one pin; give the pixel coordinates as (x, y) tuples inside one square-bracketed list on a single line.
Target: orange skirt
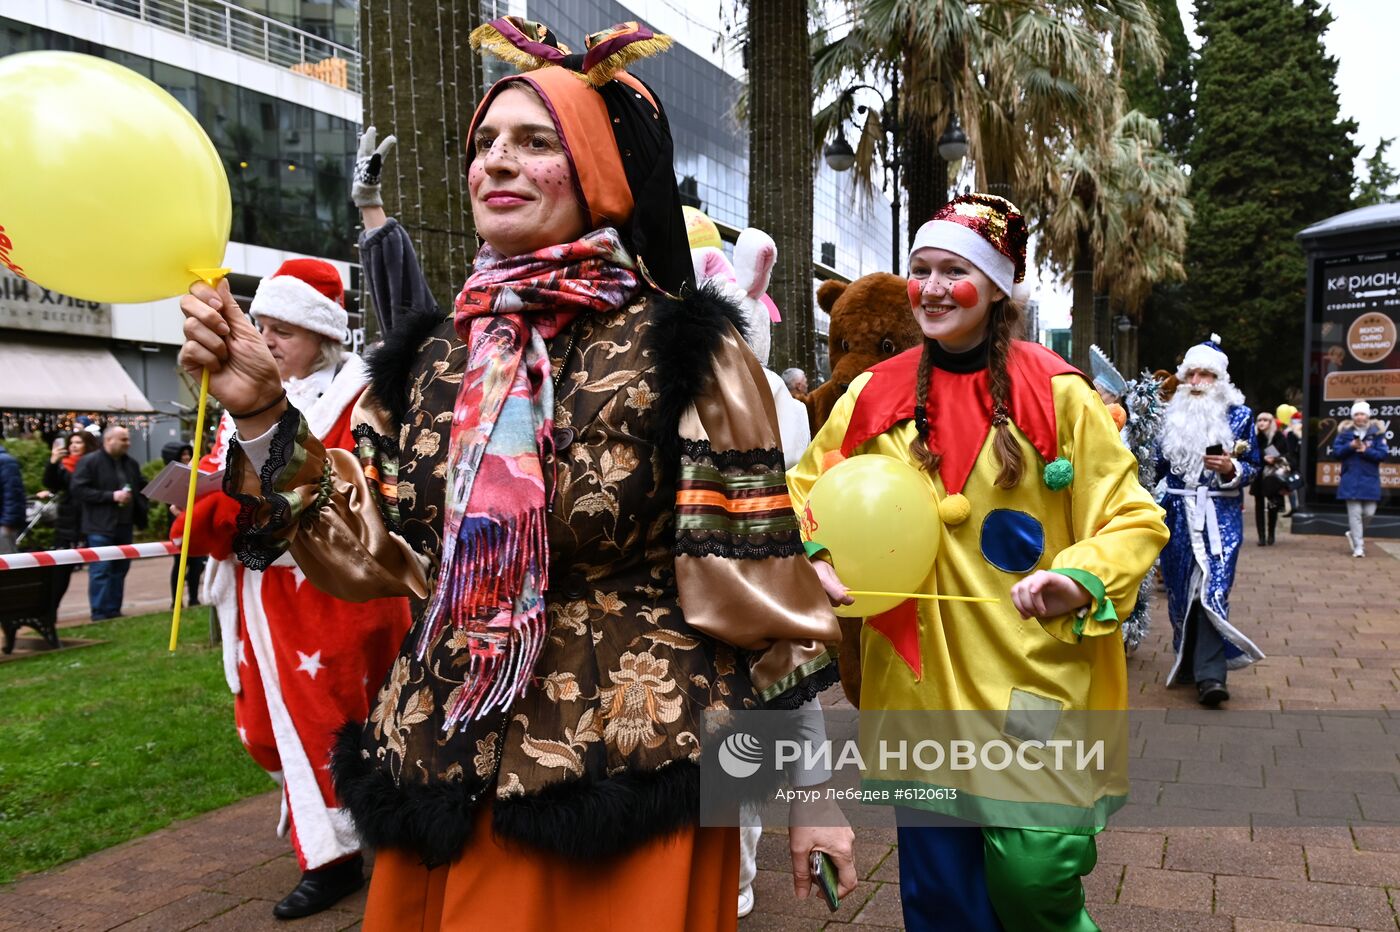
[(686, 882)]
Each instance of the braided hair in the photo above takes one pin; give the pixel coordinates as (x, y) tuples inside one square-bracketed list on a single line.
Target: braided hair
[(1003, 322)]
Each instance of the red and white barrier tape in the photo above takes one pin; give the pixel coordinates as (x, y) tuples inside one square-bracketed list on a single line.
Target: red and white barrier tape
[(21, 561)]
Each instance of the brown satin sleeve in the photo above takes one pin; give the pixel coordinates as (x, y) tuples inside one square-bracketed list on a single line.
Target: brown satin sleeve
[(741, 571), (317, 504)]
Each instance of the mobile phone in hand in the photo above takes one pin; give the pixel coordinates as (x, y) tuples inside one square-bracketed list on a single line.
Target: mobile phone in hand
[(824, 876), (1215, 449)]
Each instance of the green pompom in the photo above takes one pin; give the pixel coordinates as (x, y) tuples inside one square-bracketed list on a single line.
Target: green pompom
[(1058, 474)]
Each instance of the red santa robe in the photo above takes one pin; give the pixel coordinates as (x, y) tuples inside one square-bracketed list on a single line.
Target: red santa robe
[(299, 662)]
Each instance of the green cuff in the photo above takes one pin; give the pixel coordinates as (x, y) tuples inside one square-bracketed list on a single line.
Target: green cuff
[(813, 548), (1094, 586)]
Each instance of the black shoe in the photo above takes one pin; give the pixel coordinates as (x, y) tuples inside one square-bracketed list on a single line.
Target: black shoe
[(322, 889), (1211, 693)]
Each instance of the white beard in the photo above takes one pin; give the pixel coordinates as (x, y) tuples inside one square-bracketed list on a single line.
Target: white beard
[(1195, 421)]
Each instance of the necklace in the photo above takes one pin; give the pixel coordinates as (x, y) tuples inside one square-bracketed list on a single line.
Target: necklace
[(564, 360)]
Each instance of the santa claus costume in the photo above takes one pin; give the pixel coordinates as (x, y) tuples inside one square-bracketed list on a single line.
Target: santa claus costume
[(300, 663)]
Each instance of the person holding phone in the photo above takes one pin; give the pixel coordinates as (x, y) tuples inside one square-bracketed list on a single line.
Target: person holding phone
[(1042, 511), (1207, 454), (1361, 448)]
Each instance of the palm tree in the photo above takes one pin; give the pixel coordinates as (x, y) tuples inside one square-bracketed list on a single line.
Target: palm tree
[(1021, 75), (1117, 226), (421, 82), (781, 173)]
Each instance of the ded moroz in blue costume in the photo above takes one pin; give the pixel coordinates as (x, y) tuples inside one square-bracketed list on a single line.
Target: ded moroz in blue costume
[(1206, 516)]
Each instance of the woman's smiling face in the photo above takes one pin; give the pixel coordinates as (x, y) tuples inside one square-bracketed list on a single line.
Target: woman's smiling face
[(520, 179), (951, 298)]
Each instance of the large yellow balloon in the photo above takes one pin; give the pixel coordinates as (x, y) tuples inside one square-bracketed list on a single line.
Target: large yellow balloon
[(877, 517), (1284, 414), (109, 188)]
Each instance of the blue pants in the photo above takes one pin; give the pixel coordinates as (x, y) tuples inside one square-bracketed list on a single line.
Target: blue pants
[(107, 580)]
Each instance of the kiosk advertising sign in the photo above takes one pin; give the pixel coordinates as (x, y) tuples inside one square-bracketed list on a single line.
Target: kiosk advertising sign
[(1355, 354)]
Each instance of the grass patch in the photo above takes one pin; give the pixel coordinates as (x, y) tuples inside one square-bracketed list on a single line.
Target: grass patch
[(111, 742)]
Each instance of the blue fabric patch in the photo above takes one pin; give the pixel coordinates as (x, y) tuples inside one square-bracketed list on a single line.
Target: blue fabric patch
[(1012, 541)]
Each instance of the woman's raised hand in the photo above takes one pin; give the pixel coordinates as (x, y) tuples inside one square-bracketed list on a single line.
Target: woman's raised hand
[(243, 375)]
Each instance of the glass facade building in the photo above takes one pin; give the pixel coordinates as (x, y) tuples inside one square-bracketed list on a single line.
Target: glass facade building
[(288, 166)]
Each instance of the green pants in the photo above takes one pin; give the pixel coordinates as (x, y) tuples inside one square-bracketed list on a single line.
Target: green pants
[(1033, 879)]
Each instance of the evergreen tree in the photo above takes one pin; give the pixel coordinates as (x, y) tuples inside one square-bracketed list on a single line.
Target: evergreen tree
[(1381, 177), (1271, 155)]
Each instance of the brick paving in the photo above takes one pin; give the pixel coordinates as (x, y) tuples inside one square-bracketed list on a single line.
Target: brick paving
[(1290, 864)]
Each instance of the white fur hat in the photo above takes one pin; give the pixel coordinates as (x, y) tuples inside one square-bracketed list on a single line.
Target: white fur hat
[(1208, 356), (1360, 406), (304, 293)]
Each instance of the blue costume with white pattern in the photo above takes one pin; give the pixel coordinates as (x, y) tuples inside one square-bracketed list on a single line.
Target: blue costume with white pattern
[(1194, 567)]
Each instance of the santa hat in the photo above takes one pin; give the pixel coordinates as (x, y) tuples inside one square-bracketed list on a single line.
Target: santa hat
[(1360, 406), (1208, 356), (986, 230), (304, 293)]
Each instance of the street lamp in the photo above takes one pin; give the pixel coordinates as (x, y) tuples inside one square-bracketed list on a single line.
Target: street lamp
[(840, 156), (952, 145)]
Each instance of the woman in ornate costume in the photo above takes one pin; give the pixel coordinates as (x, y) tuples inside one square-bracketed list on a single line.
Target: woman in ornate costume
[(1039, 498), (567, 478)]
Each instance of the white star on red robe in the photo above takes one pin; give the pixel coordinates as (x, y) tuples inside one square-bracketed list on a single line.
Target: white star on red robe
[(311, 664)]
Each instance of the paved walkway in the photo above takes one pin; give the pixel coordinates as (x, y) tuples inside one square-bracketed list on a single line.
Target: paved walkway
[(1331, 631)]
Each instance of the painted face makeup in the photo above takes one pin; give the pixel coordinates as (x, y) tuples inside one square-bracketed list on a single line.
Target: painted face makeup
[(520, 178), (951, 298), (965, 293)]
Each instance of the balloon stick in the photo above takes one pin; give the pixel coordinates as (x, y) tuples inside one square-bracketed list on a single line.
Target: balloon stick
[(189, 509), (922, 595)]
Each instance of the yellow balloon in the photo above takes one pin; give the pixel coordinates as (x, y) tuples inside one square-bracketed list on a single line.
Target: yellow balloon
[(109, 188), (700, 229), (877, 516), (1284, 414)]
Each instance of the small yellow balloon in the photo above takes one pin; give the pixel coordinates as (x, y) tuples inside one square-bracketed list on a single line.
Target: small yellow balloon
[(700, 229), (109, 188), (1284, 414), (877, 516)]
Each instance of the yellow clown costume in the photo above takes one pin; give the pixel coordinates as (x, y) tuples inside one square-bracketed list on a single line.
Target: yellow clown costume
[(1078, 510)]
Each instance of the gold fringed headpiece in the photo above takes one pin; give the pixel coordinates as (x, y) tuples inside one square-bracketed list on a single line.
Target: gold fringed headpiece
[(528, 45)]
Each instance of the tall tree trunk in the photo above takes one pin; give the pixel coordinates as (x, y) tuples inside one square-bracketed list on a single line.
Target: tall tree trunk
[(780, 167), (1082, 323), (924, 171), (421, 83)]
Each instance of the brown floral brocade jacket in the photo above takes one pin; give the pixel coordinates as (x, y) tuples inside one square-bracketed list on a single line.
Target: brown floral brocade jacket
[(677, 581)]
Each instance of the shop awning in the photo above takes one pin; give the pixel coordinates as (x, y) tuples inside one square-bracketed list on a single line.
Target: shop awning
[(35, 377)]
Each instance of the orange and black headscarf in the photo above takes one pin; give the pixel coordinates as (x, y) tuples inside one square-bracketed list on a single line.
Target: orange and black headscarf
[(614, 131)]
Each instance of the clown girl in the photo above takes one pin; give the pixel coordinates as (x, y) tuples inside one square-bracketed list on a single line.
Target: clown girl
[(1042, 508)]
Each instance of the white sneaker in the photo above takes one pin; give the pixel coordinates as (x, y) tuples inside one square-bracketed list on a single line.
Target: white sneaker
[(745, 901)]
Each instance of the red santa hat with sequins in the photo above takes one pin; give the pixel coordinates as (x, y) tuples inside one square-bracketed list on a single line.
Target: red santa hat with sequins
[(304, 293), (986, 230)]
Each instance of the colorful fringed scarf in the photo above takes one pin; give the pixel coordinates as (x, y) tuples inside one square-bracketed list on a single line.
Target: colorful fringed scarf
[(495, 549)]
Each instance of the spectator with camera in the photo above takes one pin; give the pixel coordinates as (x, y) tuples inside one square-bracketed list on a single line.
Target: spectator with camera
[(1270, 484)]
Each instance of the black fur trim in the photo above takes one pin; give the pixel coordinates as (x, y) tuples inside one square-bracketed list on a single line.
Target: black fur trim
[(434, 820), (391, 362), (685, 336), (592, 820)]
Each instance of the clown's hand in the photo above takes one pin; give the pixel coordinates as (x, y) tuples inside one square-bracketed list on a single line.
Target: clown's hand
[(369, 162)]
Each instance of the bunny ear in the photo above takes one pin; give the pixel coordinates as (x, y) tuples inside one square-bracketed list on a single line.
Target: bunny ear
[(614, 49), (526, 45)]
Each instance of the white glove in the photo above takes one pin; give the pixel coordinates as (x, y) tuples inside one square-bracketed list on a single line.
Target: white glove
[(369, 161)]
